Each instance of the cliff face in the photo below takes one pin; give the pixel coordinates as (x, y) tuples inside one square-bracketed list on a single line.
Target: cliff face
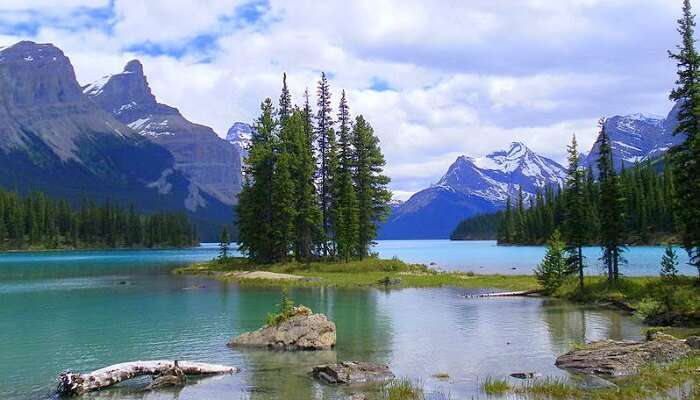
[(210, 162)]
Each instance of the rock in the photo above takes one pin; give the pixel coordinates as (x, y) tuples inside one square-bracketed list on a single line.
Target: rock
[(595, 382), (614, 358), (693, 342), (303, 331), (349, 372), (526, 375), (358, 396)]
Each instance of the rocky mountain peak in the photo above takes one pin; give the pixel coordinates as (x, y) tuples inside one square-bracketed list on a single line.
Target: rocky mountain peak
[(134, 66), (37, 74)]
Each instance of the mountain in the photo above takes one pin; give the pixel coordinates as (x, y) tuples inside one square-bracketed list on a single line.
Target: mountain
[(211, 163), (240, 135), (471, 186), (55, 139), (637, 138)]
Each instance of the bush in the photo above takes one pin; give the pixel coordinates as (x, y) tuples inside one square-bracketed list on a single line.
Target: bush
[(554, 268), (285, 310)]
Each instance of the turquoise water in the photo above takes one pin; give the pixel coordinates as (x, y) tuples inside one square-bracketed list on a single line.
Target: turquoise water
[(84, 310)]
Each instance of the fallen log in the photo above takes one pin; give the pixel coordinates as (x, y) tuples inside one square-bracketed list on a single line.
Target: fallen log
[(504, 294), (70, 383)]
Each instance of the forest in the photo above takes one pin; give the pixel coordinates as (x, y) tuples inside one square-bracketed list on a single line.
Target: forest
[(647, 190), (36, 221)]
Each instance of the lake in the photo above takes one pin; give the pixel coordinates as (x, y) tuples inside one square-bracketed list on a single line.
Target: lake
[(82, 310)]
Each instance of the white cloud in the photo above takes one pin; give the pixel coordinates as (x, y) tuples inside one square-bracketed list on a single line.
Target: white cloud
[(464, 77)]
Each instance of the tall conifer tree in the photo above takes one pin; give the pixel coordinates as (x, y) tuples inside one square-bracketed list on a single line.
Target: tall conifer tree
[(611, 208), (346, 216), (324, 124), (372, 185), (686, 156), (575, 213)]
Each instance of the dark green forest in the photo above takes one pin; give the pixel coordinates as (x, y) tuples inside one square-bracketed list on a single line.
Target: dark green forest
[(646, 189), (36, 221)]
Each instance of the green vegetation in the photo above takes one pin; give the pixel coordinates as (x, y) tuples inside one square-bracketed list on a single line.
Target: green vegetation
[(367, 272), (493, 386), (39, 222), (403, 389), (554, 268), (686, 156), (284, 312), (307, 194), (657, 300), (480, 227), (654, 381)]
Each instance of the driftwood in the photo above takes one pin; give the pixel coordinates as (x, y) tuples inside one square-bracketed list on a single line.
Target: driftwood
[(75, 384), (504, 294)]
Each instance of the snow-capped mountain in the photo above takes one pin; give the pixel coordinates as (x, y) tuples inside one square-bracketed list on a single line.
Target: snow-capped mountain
[(636, 138), (240, 134), (472, 186), (212, 164)]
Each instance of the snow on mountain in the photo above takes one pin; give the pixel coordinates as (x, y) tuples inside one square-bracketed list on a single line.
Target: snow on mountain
[(472, 186), (240, 135), (636, 138)]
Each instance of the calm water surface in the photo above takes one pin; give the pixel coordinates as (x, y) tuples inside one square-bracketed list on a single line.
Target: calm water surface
[(85, 310)]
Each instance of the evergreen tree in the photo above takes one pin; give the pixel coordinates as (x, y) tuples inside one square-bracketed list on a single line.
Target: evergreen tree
[(284, 212), (669, 265), (576, 229), (346, 218), (686, 156), (372, 192), (285, 106), (224, 242), (553, 270), (611, 208), (324, 124), (255, 207)]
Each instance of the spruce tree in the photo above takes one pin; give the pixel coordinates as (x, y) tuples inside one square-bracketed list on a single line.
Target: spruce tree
[(255, 206), (669, 265), (324, 124), (284, 211), (686, 156), (285, 105), (553, 270), (611, 208), (346, 217), (224, 242), (373, 194), (575, 214)]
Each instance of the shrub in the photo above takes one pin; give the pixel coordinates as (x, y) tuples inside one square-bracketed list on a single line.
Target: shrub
[(554, 268), (285, 310)]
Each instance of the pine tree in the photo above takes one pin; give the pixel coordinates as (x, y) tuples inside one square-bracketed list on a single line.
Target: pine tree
[(255, 206), (669, 265), (372, 192), (307, 224), (346, 218), (686, 157), (285, 105), (611, 208), (576, 229), (224, 242), (284, 212), (324, 124), (553, 270)]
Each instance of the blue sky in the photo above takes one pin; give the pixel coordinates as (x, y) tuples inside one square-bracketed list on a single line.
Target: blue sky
[(436, 78)]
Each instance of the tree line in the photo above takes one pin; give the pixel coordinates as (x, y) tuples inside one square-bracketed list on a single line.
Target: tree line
[(313, 184), (37, 221)]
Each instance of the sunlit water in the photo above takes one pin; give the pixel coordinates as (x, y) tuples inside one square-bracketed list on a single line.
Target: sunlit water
[(85, 310)]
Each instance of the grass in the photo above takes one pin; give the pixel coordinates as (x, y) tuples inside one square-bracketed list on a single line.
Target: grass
[(403, 389), (494, 387), (652, 382), (359, 273), (657, 301)]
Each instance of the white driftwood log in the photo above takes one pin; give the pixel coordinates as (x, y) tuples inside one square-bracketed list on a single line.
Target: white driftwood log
[(74, 384), (505, 294)]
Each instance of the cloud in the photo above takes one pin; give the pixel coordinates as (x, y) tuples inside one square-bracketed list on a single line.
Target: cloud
[(436, 79)]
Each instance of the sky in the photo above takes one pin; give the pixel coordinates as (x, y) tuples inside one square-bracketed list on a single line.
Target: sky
[(437, 79)]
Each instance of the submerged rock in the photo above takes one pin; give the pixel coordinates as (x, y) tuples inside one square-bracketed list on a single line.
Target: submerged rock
[(526, 375), (614, 358), (173, 377), (349, 372), (302, 331)]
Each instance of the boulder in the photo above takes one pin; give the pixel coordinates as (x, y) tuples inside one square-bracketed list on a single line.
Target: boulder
[(615, 358), (350, 372), (693, 342), (302, 331)]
